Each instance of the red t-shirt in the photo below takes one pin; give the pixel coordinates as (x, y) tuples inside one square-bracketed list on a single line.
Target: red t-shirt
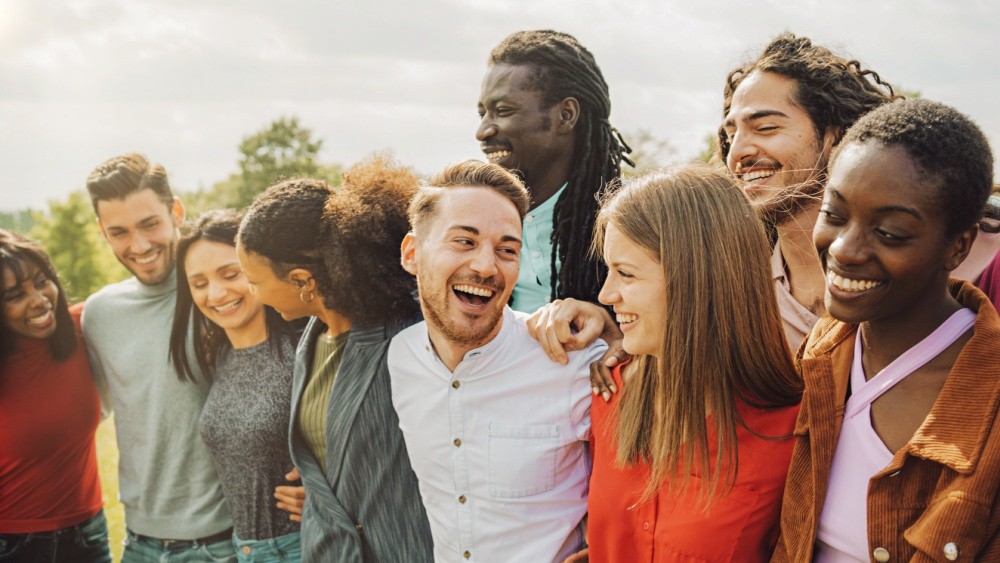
[(49, 412), (740, 526)]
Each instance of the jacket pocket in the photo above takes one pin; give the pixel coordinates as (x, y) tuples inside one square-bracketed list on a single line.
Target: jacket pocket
[(951, 520), (522, 459)]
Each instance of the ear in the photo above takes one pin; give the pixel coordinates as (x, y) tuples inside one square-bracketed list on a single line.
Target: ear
[(408, 253), (178, 212), (569, 113), (829, 140), (960, 247), (302, 279), (100, 227)]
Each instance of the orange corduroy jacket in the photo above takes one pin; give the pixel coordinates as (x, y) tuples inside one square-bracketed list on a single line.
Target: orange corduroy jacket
[(938, 499)]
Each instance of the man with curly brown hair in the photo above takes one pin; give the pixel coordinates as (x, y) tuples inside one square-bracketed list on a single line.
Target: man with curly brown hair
[(784, 112)]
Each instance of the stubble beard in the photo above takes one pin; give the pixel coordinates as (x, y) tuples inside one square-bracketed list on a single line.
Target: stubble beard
[(435, 308)]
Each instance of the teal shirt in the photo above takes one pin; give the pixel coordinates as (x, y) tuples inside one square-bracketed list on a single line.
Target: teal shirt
[(534, 283)]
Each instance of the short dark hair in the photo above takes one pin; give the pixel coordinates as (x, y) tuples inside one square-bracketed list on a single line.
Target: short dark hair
[(945, 145), (564, 68), (833, 90), (283, 225), (120, 176), (20, 255), (468, 174), (363, 223), (218, 225)]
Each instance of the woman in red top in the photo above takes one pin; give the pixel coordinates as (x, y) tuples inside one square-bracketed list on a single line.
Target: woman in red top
[(690, 458), (50, 493)]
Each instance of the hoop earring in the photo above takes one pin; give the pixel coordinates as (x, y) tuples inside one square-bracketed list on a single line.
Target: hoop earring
[(302, 296)]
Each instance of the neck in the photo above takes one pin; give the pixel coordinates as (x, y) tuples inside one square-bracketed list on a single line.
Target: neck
[(336, 324), (452, 353), (802, 264), (251, 334), (886, 339), (545, 186)]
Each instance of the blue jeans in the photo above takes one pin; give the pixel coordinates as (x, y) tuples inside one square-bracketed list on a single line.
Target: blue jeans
[(275, 550), (147, 550), (84, 543)]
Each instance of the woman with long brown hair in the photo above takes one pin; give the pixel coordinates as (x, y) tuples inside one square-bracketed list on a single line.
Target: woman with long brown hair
[(690, 457)]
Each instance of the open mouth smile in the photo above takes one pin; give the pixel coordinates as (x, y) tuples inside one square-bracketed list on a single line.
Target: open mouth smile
[(146, 259), (229, 307), (41, 321), (849, 285), (494, 155), (473, 295)]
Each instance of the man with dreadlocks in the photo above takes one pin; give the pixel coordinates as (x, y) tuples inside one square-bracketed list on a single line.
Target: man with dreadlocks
[(544, 108)]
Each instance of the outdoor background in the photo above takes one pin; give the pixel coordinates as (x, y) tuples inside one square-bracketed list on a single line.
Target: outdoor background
[(230, 95)]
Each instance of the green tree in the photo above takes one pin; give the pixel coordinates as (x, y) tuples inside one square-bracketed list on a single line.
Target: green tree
[(708, 153), (648, 152), (69, 234), (282, 150), (19, 221)]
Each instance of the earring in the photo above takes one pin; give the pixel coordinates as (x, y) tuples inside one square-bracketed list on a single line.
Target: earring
[(302, 296)]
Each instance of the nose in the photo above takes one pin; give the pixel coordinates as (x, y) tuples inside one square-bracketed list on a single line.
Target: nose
[(741, 147), (484, 262), (37, 299), (849, 246), (140, 244), (609, 293), (215, 292), (487, 128)]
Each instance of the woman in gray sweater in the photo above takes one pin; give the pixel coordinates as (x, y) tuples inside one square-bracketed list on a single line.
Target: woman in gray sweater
[(247, 353)]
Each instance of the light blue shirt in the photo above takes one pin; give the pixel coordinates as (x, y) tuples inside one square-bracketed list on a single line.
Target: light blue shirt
[(534, 283)]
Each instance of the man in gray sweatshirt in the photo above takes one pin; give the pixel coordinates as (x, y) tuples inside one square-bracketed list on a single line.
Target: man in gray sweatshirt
[(168, 484)]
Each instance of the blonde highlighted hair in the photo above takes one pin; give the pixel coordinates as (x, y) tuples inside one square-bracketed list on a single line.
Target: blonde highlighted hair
[(723, 342)]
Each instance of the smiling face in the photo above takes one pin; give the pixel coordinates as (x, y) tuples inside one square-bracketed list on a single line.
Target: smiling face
[(466, 259), (636, 288), (775, 152), (517, 131), (143, 233), (881, 235), (281, 294), (219, 289), (29, 306)]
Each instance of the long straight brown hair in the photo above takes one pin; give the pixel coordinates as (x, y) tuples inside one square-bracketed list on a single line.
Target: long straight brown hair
[(723, 341)]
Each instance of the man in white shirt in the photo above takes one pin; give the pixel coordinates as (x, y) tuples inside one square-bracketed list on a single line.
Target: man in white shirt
[(496, 432)]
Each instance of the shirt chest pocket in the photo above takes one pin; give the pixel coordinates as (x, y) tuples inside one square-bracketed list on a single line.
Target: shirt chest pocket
[(522, 459)]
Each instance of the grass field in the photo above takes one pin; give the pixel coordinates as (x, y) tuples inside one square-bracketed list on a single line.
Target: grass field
[(107, 461)]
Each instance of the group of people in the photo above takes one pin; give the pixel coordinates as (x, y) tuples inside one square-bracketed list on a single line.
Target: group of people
[(531, 359)]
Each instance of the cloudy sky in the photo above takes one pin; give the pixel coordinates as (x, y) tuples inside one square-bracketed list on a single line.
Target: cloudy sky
[(183, 81)]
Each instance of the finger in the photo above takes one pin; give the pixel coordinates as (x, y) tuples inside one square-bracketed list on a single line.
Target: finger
[(293, 475), (598, 382), (295, 518), (554, 346), (291, 492)]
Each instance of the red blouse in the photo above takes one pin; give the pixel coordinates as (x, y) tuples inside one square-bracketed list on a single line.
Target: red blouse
[(49, 412), (741, 526)]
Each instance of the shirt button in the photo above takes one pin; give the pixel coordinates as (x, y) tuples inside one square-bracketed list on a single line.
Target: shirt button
[(457, 442), (528, 218), (535, 254), (455, 384), (466, 555), (246, 549), (881, 554), (462, 499), (645, 525), (950, 551)]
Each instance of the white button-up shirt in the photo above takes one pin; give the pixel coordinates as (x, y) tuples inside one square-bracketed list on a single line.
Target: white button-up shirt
[(499, 445)]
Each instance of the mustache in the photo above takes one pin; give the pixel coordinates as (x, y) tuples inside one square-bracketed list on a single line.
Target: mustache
[(494, 147), (746, 164), (495, 283)]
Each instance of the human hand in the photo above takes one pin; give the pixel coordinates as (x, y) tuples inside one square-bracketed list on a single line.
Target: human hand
[(291, 498), (569, 324)]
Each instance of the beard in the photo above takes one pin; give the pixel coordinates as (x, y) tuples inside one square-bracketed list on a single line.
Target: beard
[(783, 207), (458, 327), (154, 278)]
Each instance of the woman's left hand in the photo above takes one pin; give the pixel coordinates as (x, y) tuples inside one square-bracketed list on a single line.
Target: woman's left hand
[(291, 498)]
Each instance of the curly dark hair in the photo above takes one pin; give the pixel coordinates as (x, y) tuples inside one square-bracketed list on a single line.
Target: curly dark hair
[(833, 90), (565, 68), (945, 145), (363, 224), (283, 225), (21, 256)]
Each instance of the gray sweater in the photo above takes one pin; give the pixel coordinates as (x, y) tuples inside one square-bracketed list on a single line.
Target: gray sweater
[(166, 478), (245, 425)]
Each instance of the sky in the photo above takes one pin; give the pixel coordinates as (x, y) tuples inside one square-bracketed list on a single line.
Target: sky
[(183, 81)]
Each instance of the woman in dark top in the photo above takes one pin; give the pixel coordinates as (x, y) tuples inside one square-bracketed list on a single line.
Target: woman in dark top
[(247, 352)]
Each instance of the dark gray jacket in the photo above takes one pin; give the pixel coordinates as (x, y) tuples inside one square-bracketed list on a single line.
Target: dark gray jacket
[(368, 508)]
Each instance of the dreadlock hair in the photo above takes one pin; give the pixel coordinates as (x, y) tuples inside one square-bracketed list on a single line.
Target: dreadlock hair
[(833, 90), (564, 68)]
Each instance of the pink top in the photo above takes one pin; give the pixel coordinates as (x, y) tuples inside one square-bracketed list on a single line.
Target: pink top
[(860, 453)]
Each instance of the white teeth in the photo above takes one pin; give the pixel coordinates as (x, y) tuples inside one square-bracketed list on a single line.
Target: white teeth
[(147, 259), (474, 290), (42, 319), (758, 174), (852, 285), (497, 155), (625, 318), (225, 308)]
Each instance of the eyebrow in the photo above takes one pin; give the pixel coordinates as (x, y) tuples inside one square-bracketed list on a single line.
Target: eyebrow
[(883, 209), (475, 231), (759, 114)]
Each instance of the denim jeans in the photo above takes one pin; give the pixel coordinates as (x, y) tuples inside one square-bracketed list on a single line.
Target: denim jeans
[(83, 543), (142, 550), (286, 548)]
